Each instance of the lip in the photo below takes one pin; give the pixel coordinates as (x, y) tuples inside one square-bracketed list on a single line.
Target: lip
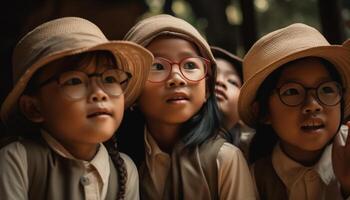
[(220, 94), (177, 97), (312, 125), (99, 112)]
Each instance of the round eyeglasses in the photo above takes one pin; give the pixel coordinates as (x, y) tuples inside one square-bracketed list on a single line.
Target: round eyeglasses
[(191, 68), (75, 84), (327, 93)]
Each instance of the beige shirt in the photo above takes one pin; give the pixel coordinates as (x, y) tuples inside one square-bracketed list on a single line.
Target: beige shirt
[(94, 180), (234, 179), (315, 182)]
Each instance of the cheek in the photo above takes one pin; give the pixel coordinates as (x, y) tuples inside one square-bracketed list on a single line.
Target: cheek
[(150, 97), (334, 117)]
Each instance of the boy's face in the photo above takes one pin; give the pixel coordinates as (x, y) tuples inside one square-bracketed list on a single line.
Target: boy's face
[(79, 124), (227, 88), (307, 127)]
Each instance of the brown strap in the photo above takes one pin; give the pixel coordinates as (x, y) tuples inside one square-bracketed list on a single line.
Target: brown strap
[(270, 186)]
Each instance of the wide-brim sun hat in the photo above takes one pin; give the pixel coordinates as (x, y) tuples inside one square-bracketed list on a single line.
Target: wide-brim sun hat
[(70, 36), (148, 29), (279, 47), (346, 44)]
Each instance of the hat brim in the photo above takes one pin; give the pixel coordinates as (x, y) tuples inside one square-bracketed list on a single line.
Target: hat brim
[(131, 57), (337, 55)]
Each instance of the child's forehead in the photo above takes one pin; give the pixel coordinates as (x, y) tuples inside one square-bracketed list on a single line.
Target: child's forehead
[(305, 70)]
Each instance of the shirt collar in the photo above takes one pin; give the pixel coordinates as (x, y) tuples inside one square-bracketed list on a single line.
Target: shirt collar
[(100, 161), (290, 171), (152, 147)]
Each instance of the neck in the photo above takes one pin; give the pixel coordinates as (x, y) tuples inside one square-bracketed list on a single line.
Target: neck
[(166, 135), (306, 158), (82, 152)]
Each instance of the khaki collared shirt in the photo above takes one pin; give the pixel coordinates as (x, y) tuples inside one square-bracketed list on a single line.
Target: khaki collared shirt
[(315, 182), (234, 179), (95, 179)]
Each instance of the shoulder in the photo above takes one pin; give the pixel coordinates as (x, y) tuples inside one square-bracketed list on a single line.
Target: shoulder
[(229, 151), (132, 184), (13, 168), (230, 156), (130, 165), (13, 150)]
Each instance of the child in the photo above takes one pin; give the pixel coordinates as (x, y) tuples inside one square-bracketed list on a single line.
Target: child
[(184, 157), (295, 95), (70, 84), (228, 84)]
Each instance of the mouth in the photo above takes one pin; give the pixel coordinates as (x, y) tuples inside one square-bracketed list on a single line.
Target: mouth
[(98, 113), (312, 125), (220, 94), (177, 98)]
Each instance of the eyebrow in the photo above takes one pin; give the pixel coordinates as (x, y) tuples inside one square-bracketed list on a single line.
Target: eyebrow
[(318, 81)]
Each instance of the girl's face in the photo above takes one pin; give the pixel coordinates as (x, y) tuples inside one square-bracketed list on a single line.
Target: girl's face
[(79, 124), (310, 125), (227, 88), (176, 99)]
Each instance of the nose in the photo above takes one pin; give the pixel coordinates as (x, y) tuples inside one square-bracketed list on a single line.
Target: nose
[(97, 94), (175, 77), (311, 104), (220, 81)]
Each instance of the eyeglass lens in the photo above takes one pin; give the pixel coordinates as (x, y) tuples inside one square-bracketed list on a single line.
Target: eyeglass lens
[(75, 83), (293, 94), (193, 69)]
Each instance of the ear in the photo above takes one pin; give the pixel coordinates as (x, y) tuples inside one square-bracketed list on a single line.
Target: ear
[(256, 109), (30, 108)]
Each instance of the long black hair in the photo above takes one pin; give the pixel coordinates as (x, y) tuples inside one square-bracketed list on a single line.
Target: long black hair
[(200, 127), (265, 137)]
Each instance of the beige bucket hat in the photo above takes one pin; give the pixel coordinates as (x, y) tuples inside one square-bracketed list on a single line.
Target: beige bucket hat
[(148, 29), (280, 47), (346, 43), (69, 36)]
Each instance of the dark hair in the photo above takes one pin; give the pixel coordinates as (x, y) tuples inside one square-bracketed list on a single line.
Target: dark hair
[(75, 61), (235, 61), (265, 137), (203, 125)]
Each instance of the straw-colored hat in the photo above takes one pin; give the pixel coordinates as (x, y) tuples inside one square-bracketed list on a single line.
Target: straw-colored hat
[(346, 43), (69, 36), (280, 47), (148, 29)]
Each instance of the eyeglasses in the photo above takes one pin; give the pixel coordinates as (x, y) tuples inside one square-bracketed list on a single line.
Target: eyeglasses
[(75, 84), (293, 94), (191, 68)]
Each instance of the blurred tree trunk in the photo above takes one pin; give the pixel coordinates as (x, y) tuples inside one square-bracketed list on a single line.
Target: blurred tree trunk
[(219, 32), (331, 21), (249, 25)]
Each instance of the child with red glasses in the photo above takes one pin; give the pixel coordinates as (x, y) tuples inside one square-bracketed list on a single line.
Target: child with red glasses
[(176, 121)]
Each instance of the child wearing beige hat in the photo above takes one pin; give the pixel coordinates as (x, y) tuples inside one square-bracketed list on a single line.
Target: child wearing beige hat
[(229, 80), (71, 87), (182, 155), (295, 94)]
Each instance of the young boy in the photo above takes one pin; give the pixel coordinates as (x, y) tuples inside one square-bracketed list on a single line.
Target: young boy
[(68, 98)]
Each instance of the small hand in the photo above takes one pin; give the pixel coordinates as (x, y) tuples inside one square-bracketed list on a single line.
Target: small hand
[(341, 162)]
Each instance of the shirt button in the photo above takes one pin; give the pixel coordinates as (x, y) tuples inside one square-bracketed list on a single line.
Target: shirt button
[(84, 180)]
